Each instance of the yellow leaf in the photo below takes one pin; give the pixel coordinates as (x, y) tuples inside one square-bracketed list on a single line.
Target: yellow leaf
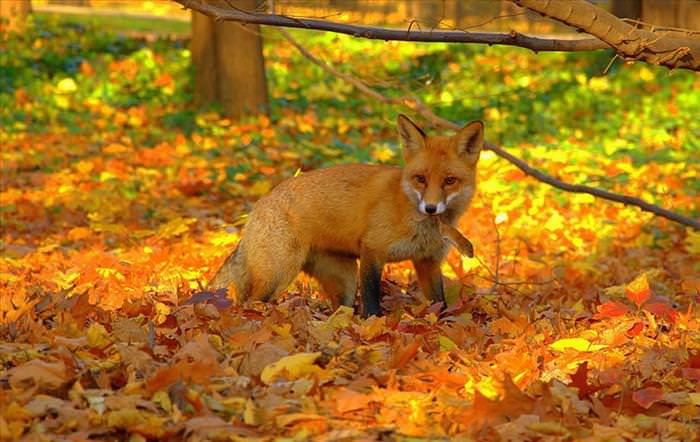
[(296, 366), (97, 335), (555, 222), (487, 387), (250, 415), (175, 227), (162, 312), (163, 399), (224, 238), (692, 242), (446, 344), (578, 344), (124, 418), (260, 187), (66, 86), (694, 398), (66, 280), (341, 318)]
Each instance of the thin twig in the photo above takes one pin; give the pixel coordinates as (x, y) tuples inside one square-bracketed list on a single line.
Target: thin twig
[(418, 106)]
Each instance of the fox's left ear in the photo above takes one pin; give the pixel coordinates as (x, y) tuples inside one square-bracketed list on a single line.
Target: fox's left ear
[(470, 139)]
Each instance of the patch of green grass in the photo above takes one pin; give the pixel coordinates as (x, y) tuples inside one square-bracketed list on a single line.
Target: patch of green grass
[(122, 23)]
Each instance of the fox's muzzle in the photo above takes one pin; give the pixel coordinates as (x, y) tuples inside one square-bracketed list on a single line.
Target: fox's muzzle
[(432, 209)]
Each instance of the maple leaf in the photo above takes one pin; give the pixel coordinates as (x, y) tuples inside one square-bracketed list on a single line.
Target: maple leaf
[(580, 380), (638, 290), (611, 309)]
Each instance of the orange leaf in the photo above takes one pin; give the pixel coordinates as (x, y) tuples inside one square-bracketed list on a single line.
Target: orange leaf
[(635, 329), (407, 353), (638, 290), (349, 400)]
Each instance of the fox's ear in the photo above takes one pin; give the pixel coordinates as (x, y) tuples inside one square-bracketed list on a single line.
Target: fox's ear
[(470, 139), (412, 137)]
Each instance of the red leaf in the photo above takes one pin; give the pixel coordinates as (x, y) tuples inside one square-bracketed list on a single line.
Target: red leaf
[(694, 360), (635, 330), (611, 309), (691, 373), (662, 310), (638, 290), (580, 381), (647, 396)]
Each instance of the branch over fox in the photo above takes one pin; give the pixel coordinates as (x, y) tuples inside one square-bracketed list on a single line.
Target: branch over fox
[(322, 221)]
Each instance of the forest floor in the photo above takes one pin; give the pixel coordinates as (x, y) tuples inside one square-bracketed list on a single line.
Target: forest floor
[(576, 320)]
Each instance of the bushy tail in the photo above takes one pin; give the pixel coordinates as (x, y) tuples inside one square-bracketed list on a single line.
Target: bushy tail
[(228, 273)]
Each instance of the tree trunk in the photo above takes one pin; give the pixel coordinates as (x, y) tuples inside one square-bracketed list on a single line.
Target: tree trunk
[(673, 13), (81, 3), (13, 15), (229, 64), (627, 8)]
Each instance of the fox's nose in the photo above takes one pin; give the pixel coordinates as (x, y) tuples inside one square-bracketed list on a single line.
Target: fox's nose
[(430, 209)]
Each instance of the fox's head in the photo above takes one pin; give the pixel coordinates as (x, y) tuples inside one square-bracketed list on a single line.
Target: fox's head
[(440, 172)]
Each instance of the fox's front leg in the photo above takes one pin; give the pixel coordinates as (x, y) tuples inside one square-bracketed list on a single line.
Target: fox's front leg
[(370, 284), (430, 279)]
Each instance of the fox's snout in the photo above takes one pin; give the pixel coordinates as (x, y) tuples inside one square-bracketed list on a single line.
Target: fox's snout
[(432, 209)]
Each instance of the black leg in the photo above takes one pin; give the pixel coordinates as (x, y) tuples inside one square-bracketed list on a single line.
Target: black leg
[(370, 286)]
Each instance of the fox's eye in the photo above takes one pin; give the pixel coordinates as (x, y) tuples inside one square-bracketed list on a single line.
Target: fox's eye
[(420, 179), (450, 180)]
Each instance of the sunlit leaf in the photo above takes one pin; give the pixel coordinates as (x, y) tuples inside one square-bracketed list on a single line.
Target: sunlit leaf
[(292, 367), (579, 344)]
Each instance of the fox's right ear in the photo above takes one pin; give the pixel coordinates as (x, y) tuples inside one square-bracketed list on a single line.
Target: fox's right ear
[(412, 137)]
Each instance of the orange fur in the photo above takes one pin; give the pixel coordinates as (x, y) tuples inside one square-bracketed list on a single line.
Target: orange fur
[(322, 221)]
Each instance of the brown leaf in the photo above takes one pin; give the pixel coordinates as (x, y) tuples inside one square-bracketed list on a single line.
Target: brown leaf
[(255, 361), (44, 375)]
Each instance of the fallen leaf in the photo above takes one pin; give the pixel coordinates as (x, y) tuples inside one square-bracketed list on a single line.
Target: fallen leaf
[(646, 397), (611, 309), (638, 290), (292, 367), (579, 344)]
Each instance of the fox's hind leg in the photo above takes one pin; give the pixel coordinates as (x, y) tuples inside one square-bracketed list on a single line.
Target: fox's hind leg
[(271, 265), (337, 275)]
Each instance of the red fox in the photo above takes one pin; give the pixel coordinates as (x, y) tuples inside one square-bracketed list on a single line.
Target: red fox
[(322, 221)]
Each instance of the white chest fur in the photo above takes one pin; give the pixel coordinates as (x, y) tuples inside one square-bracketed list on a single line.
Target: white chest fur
[(424, 242)]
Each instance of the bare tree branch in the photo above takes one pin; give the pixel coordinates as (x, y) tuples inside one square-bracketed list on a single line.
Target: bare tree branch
[(666, 48), (673, 48), (418, 106), (512, 38)]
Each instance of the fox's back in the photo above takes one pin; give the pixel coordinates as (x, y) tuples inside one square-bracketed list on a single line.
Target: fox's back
[(329, 208)]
